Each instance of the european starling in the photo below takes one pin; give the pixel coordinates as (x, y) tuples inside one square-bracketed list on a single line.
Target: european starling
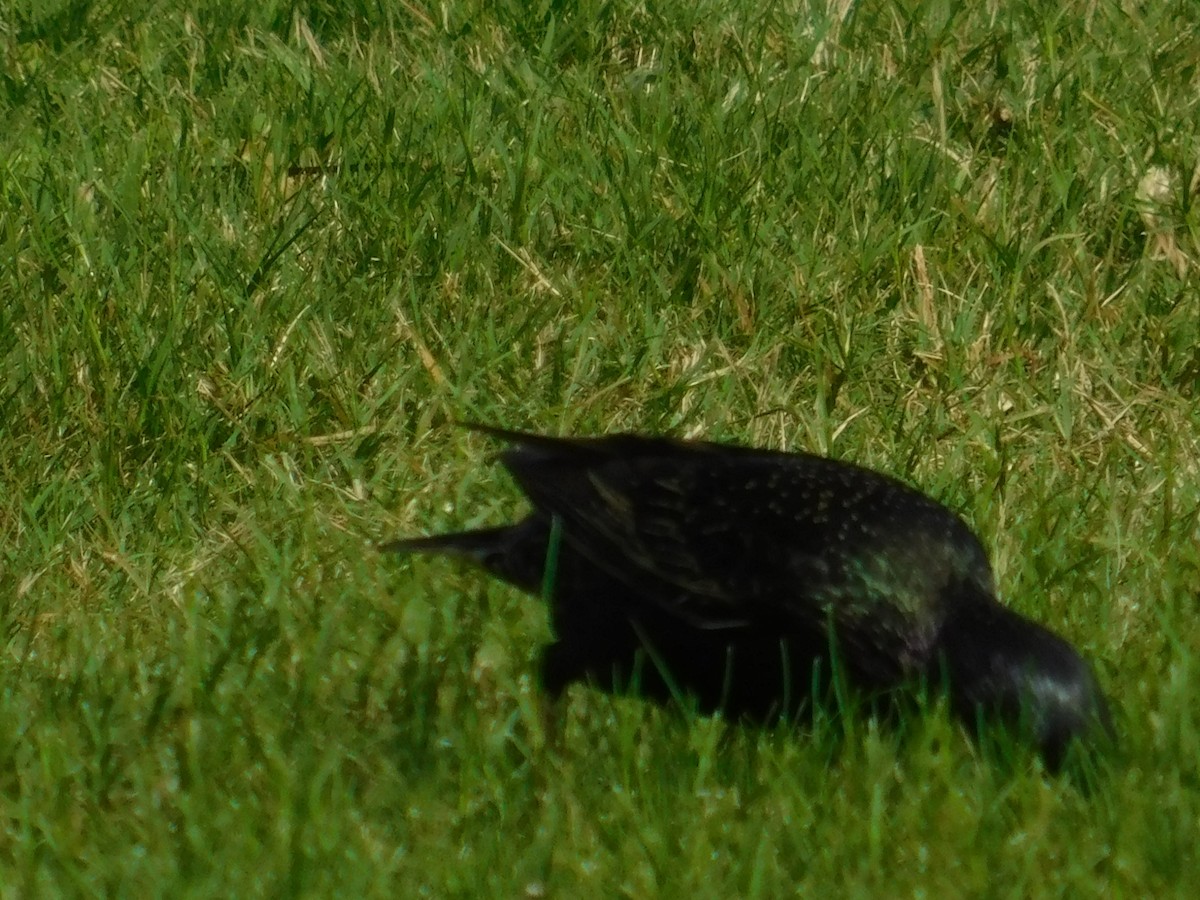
[(735, 575)]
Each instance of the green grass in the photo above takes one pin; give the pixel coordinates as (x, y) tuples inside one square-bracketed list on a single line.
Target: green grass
[(254, 258)]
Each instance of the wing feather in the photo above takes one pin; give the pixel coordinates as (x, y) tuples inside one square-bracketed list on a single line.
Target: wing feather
[(722, 539)]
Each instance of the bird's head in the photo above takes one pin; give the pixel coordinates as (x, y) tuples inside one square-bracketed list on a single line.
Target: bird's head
[(1003, 665)]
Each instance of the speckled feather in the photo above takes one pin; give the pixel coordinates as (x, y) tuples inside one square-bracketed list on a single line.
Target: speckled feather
[(715, 557), (719, 535)]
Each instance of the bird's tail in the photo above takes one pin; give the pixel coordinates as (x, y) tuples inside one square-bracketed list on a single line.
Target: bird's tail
[(515, 553), (476, 546)]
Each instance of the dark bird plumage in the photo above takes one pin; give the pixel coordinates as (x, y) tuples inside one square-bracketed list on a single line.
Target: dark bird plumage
[(732, 575)]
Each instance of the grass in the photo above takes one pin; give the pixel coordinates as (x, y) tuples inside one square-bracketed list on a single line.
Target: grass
[(254, 258)]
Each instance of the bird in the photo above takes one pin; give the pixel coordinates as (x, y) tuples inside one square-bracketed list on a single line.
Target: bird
[(748, 581)]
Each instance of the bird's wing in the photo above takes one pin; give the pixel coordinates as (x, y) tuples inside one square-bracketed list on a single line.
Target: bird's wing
[(724, 536), (721, 534), (623, 509)]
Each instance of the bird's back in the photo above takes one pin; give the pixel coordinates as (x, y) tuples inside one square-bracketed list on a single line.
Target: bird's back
[(724, 537)]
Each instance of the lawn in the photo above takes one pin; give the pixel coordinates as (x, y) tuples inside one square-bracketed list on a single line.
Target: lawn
[(256, 259)]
